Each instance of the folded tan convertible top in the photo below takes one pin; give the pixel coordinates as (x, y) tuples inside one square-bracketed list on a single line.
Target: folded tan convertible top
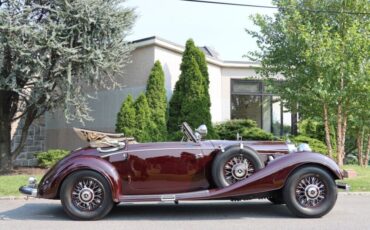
[(98, 139)]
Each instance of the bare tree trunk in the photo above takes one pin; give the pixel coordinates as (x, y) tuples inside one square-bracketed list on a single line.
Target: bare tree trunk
[(367, 151), (327, 131), (5, 131), (360, 143), (339, 135), (344, 130)]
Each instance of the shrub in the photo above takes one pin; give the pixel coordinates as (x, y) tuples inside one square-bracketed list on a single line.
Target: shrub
[(255, 133), (157, 101), (190, 100), (126, 117), (246, 128), (316, 145), (144, 124), (51, 157)]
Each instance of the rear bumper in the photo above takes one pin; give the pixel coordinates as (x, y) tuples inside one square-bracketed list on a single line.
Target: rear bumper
[(28, 191), (341, 185)]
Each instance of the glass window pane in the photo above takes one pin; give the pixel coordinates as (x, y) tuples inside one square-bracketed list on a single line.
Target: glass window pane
[(287, 122), (246, 107), (246, 87), (276, 116), (266, 111)]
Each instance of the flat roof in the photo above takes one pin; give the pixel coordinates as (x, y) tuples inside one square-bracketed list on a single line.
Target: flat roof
[(161, 42)]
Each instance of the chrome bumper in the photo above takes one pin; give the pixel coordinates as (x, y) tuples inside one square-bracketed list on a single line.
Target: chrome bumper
[(341, 185), (30, 189)]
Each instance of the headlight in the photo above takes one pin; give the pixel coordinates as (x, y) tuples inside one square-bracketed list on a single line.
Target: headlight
[(292, 148), (304, 147)]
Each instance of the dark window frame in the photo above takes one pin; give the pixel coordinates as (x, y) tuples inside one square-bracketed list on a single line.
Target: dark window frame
[(262, 94)]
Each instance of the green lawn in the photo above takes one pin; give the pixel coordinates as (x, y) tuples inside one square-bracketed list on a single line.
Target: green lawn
[(9, 185), (360, 183)]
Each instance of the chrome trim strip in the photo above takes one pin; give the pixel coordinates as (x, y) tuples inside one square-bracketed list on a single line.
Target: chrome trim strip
[(158, 149)]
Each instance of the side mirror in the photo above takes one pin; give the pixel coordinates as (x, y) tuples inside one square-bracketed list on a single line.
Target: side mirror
[(202, 131)]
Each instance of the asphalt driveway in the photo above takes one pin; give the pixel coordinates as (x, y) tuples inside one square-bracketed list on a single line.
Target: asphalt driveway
[(350, 212)]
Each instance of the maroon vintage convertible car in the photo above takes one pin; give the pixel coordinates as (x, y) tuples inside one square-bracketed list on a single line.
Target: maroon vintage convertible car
[(114, 169)]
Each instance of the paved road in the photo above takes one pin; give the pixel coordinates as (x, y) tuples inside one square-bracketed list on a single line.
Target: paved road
[(350, 212)]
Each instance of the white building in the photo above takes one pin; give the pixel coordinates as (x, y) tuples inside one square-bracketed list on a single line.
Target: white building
[(234, 88)]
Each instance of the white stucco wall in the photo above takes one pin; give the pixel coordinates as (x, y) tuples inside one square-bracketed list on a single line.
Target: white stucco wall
[(105, 106), (107, 103)]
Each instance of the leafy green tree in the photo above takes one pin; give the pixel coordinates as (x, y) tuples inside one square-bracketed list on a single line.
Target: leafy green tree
[(50, 52), (323, 56), (144, 124), (156, 96), (190, 100), (126, 117)]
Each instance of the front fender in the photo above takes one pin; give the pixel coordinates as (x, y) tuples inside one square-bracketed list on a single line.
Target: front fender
[(274, 175), (50, 184)]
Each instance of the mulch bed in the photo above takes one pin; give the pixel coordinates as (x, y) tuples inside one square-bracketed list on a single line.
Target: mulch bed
[(27, 171)]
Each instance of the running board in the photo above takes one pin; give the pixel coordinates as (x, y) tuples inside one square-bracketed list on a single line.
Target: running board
[(165, 197)]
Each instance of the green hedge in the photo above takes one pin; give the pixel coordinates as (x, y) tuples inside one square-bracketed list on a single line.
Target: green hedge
[(247, 129), (50, 157)]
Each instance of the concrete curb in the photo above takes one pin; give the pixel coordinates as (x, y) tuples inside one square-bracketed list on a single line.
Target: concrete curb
[(33, 198), (17, 198), (355, 193)]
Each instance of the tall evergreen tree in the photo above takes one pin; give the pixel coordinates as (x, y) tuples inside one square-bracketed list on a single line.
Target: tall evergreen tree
[(144, 125), (156, 96), (202, 63), (190, 101), (126, 117)]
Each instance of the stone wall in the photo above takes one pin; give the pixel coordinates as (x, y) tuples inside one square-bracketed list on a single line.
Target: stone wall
[(35, 142)]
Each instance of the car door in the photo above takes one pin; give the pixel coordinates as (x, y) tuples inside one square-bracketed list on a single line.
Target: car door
[(162, 168)]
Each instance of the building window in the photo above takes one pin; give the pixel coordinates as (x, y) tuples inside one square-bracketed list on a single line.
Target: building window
[(250, 101)]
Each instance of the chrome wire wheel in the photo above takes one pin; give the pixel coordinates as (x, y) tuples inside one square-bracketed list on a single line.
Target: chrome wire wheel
[(87, 194), (310, 192), (237, 168)]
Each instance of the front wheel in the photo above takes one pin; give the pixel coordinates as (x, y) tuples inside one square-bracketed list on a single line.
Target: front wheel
[(86, 195), (310, 192)]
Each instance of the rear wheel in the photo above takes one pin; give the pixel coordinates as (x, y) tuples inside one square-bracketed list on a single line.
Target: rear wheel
[(310, 192), (86, 195), (235, 165)]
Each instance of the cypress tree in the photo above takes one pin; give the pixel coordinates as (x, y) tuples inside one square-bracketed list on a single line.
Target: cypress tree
[(190, 101), (126, 117), (144, 125), (202, 63), (156, 97)]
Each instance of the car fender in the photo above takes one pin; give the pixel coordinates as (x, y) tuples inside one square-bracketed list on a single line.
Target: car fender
[(50, 184), (274, 175)]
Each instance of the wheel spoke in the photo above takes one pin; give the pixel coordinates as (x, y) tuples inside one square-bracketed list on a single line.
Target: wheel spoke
[(310, 191), (237, 168), (87, 194)]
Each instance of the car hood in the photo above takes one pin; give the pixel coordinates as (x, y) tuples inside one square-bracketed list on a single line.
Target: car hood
[(259, 146)]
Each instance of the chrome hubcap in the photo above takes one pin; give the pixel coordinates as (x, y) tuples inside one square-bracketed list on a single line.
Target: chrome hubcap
[(310, 191), (237, 168), (87, 194)]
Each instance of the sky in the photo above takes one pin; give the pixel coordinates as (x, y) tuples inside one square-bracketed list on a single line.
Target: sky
[(218, 26)]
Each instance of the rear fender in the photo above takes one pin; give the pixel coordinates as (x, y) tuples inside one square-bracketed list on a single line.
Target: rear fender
[(52, 181)]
